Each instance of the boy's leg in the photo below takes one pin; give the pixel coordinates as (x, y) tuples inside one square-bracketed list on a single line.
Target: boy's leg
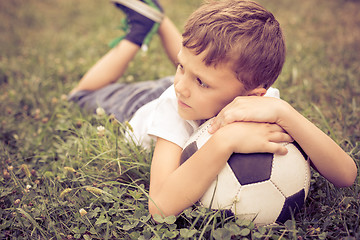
[(113, 65), (171, 39), (109, 68), (141, 17), (169, 34)]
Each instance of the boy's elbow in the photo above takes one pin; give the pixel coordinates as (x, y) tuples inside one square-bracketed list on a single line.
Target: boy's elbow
[(153, 209), (345, 183), (349, 177), (156, 209), (162, 208)]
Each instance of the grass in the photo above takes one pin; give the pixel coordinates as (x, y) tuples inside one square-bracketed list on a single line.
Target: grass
[(56, 165)]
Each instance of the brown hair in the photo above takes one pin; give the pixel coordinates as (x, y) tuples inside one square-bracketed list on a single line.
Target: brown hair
[(242, 33)]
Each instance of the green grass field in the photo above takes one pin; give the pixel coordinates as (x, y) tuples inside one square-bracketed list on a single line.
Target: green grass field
[(54, 162)]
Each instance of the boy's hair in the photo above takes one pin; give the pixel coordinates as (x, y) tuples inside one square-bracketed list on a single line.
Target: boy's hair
[(241, 33)]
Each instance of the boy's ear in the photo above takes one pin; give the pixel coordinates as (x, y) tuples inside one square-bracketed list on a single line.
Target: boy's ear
[(257, 92)]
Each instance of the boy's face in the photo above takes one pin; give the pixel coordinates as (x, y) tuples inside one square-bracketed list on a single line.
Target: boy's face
[(202, 91)]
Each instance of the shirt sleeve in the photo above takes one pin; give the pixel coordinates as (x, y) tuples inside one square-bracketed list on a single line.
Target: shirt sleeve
[(272, 92)]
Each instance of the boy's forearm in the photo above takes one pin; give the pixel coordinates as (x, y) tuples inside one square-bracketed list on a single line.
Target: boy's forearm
[(185, 186), (329, 159)]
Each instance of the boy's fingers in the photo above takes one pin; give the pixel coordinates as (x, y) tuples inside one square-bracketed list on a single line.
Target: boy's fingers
[(214, 125), (222, 119), (275, 148), (281, 137), (281, 150)]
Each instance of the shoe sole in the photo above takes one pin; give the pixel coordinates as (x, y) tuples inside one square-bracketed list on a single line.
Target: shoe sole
[(142, 8)]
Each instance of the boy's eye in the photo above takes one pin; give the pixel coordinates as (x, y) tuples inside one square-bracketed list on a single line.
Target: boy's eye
[(180, 67), (201, 83)]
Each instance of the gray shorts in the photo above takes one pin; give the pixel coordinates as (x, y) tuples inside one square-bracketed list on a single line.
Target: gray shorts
[(121, 99)]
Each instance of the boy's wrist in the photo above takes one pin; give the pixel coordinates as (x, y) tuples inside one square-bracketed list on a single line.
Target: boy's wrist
[(222, 142), (284, 112)]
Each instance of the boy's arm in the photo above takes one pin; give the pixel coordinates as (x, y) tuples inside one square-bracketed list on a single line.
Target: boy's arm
[(173, 188), (329, 159), (327, 156)]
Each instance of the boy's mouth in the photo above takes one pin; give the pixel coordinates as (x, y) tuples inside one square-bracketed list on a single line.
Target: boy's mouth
[(182, 104)]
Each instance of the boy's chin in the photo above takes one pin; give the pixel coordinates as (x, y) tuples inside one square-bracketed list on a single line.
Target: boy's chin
[(190, 117)]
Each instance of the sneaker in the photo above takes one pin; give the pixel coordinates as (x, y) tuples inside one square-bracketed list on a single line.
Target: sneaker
[(147, 8), (142, 22)]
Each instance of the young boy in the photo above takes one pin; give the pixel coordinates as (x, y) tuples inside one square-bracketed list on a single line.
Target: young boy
[(231, 53)]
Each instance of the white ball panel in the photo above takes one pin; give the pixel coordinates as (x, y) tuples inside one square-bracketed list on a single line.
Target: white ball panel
[(223, 190), (290, 172), (261, 201)]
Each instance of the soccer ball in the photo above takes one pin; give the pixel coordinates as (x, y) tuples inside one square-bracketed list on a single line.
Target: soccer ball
[(263, 187)]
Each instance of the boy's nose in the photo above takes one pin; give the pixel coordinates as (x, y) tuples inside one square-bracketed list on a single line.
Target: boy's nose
[(181, 87)]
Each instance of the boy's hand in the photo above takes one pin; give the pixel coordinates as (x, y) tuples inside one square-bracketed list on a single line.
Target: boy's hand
[(251, 137), (248, 109)]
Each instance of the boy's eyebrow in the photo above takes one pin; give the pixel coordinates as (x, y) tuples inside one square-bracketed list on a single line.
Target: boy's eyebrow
[(179, 60), (196, 74), (178, 57)]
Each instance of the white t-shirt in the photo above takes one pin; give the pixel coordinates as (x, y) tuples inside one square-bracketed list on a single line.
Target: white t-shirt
[(160, 118)]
